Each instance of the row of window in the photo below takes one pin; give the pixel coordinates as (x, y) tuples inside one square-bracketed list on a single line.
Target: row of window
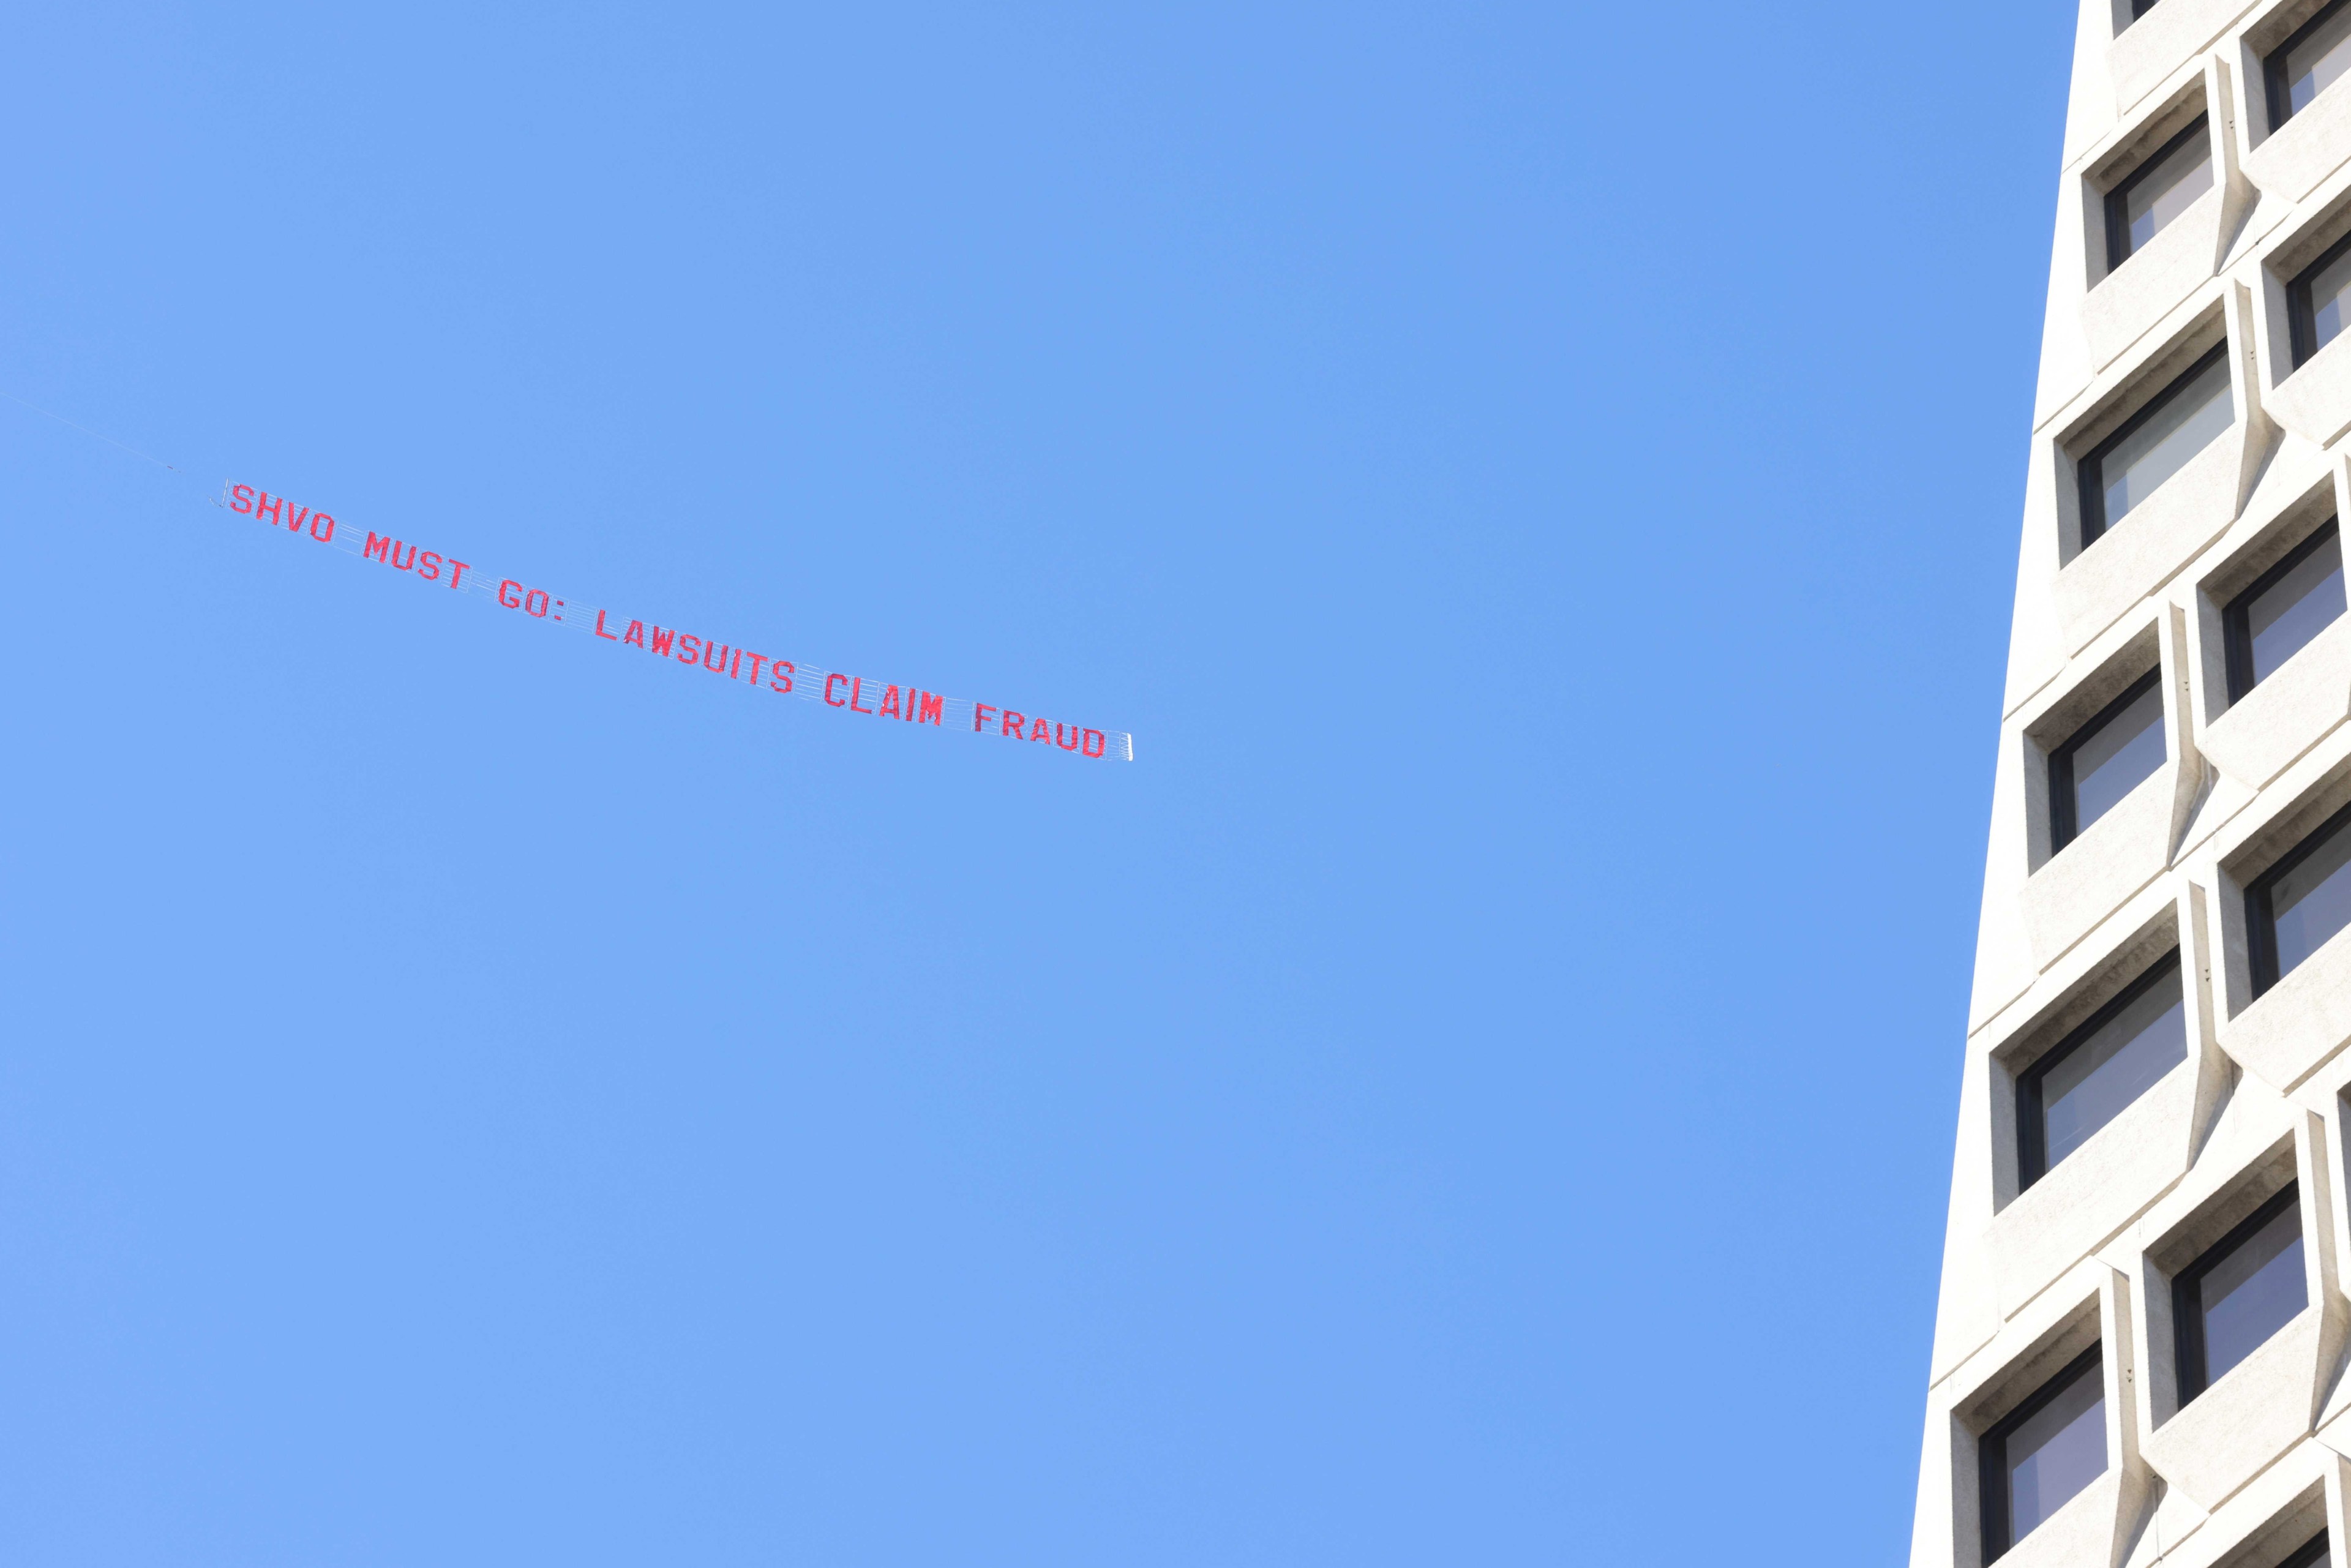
[(2226, 1306), (2139, 204), (2126, 1047), (2239, 1292), (2122, 745), (2196, 406), (2054, 1444), (2302, 67), (2145, 202), (2247, 1286), (2230, 1301)]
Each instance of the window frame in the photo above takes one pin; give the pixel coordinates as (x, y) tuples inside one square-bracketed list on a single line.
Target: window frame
[(2273, 80), (1992, 1448), (2188, 1348), (2064, 808), (2237, 618), (2089, 468), (2261, 920), (2300, 316), (2118, 218), (2031, 1128)]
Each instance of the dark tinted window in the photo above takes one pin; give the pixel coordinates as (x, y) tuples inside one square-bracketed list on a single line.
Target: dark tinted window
[(2294, 907), (2156, 443), (2140, 9), (2300, 69), (2310, 1554), (2052, 1446), (2102, 761), (2091, 1076), (2230, 1301), (2157, 191), (2294, 601)]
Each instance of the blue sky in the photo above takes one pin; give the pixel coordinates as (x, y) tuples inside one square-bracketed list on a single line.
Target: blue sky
[(1540, 482)]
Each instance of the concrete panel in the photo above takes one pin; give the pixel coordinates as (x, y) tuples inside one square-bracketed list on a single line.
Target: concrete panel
[(2094, 1192), (2231, 1431), (2260, 736), (2149, 545), (2095, 874), (2081, 1532), (2314, 402), (2270, 1517), (2305, 150), (2239, 1476), (2292, 1029), (2151, 50), (2130, 302)]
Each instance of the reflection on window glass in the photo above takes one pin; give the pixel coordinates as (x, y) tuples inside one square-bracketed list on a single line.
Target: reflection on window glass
[(2155, 444), (2236, 1296), (2291, 603), (2327, 291), (2094, 1075), (2315, 301), (2158, 192), (2042, 1456), (2304, 66), (2296, 906), (2105, 759)]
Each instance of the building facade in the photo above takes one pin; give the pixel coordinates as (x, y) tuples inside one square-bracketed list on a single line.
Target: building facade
[(2141, 1342)]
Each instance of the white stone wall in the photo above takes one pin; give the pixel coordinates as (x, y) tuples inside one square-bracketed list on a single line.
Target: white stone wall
[(2252, 1467)]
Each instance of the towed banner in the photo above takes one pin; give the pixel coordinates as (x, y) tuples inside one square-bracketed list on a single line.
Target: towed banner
[(785, 677)]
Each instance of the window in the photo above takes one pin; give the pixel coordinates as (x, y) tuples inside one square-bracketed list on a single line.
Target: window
[(2140, 9), (2312, 1554), (2288, 605), (2300, 69), (2156, 192), (2050, 1449), (2315, 301), (2156, 443), (2227, 1303), (2296, 906), (2100, 763), (2091, 1076)]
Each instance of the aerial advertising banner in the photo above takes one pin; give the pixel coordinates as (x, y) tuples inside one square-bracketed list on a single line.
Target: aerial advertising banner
[(891, 701)]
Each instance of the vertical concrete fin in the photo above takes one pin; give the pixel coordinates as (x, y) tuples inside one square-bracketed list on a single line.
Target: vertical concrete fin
[(2191, 778), (2322, 1259), (2192, 1486), (2134, 1498), (2259, 433), (2216, 1075), (2340, 472), (2239, 195)]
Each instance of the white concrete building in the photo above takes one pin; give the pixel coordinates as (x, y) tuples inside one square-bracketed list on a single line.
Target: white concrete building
[(2141, 1347)]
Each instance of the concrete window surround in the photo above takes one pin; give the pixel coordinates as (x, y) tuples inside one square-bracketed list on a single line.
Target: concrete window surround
[(2257, 1464), (2116, 168), (2236, 573), (2155, 376), (2179, 1249)]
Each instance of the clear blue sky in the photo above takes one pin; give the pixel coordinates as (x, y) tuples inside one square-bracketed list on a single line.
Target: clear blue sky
[(1541, 484)]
